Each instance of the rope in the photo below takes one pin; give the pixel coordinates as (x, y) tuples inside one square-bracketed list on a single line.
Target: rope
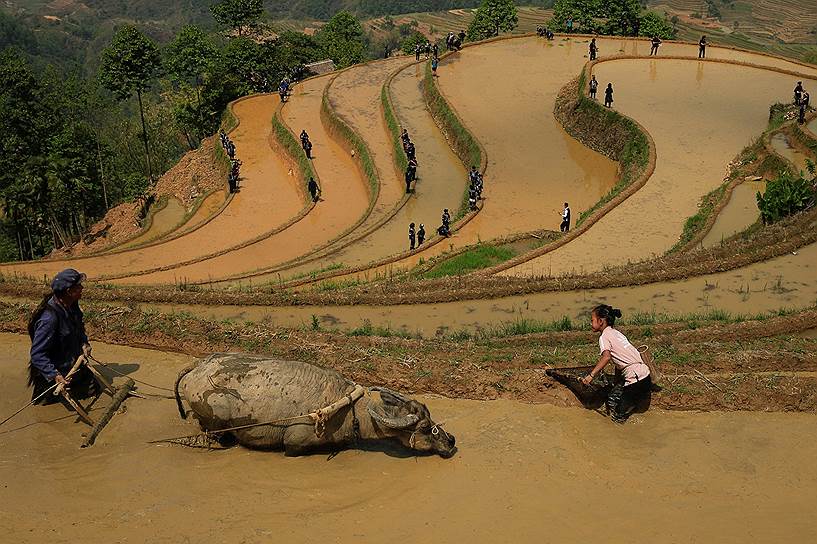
[(312, 415), (41, 395), (131, 377)]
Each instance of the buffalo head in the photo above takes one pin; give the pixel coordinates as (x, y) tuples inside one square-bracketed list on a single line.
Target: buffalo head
[(410, 422)]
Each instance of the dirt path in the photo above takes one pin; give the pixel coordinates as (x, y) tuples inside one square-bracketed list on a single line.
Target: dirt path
[(344, 199), (724, 106), (712, 464), (268, 197)]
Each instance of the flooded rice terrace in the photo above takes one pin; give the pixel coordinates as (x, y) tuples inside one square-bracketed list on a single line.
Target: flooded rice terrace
[(523, 473)]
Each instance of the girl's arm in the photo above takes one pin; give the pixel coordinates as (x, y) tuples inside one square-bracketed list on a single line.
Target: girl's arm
[(603, 360)]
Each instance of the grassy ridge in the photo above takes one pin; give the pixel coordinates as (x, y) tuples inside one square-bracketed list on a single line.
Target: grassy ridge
[(361, 149), (400, 160), (478, 258), (633, 156), (292, 147), (461, 140)]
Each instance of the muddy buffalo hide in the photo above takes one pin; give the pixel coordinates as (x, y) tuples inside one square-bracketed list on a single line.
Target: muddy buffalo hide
[(591, 396)]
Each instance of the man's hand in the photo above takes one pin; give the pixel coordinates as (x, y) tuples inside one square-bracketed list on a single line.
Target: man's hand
[(60, 380), (587, 379), (86, 349)]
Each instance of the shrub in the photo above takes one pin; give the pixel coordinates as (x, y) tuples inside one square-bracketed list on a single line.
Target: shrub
[(784, 196)]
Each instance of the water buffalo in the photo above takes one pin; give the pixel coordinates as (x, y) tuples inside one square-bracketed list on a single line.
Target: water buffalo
[(227, 390)]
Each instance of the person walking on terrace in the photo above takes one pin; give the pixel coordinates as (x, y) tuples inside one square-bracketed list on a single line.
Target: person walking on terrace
[(417, 52), (421, 235), (314, 190), (656, 41), (798, 93), (565, 226), (593, 49), (57, 331), (608, 95), (434, 63), (594, 86), (412, 237), (615, 348), (702, 48), (308, 149)]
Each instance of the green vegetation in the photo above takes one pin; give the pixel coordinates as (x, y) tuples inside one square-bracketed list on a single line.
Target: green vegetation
[(491, 18), (460, 138), (483, 256), (785, 196), (611, 17), (694, 224), (238, 15), (293, 148), (400, 160), (634, 154), (342, 39)]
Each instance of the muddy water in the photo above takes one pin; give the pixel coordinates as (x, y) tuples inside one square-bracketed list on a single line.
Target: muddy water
[(784, 282), (782, 146), (740, 212), (268, 197), (700, 116), (812, 126), (344, 199), (163, 222), (210, 206), (544, 468)]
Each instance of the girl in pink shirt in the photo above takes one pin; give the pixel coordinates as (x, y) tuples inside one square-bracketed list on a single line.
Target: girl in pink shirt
[(615, 347)]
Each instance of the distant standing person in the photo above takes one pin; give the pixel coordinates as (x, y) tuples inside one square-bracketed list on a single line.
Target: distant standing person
[(308, 149), (565, 226), (656, 41), (801, 117), (417, 52), (702, 48), (313, 188), (569, 25), (806, 99), (421, 235), (594, 86), (304, 138), (412, 237), (434, 63), (593, 49), (798, 93), (608, 95), (435, 50)]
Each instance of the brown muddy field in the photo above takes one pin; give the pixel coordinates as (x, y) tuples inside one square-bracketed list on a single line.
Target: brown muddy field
[(667, 467), (740, 212), (164, 221), (268, 197), (724, 107)]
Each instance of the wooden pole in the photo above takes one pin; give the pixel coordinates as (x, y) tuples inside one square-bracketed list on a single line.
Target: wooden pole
[(117, 400)]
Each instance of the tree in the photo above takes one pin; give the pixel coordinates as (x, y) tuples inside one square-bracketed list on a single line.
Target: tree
[(622, 17), (491, 18), (786, 195), (582, 12), (189, 60), (652, 24), (343, 40), (128, 65), (238, 14)]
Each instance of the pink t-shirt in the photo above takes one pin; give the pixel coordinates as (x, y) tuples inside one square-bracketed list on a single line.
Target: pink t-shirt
[(625, 355)]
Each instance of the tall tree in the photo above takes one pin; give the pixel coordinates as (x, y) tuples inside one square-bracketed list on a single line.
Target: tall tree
[(582, 12), (189, 59), (491, 18), (343, 39), (238, 14), (129, 65), (622, 17)]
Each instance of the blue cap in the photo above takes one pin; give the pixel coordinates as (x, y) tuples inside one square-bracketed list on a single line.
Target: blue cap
[(66, 279)]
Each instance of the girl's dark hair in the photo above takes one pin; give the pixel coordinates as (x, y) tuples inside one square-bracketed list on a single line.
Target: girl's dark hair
[(607, 313)]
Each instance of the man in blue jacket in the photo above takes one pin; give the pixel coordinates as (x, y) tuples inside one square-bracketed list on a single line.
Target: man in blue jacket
[(58, 337)]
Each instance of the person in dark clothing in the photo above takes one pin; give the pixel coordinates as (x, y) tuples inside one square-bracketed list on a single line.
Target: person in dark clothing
[(404, 136), (58, 338), (283, 89), (412, 237), (461, 36), (702, 48), (473, 174), (427, 49), (232, 182), (656, 41), (304, 138), (806, 99), (411, 174), (593, 49), (594, 86), (417, 52), (435, 50), (410, 151), (801, 116), (434, 63), (314, 190), (565, 226), (798, 93), (608, 95), (308, 149), (421, 235)]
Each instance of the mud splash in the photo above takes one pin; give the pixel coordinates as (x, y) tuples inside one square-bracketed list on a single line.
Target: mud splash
[(570, 458)]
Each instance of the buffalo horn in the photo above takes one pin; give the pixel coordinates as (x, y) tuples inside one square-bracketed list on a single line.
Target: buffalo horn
[(391, 392), (404, 422)]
